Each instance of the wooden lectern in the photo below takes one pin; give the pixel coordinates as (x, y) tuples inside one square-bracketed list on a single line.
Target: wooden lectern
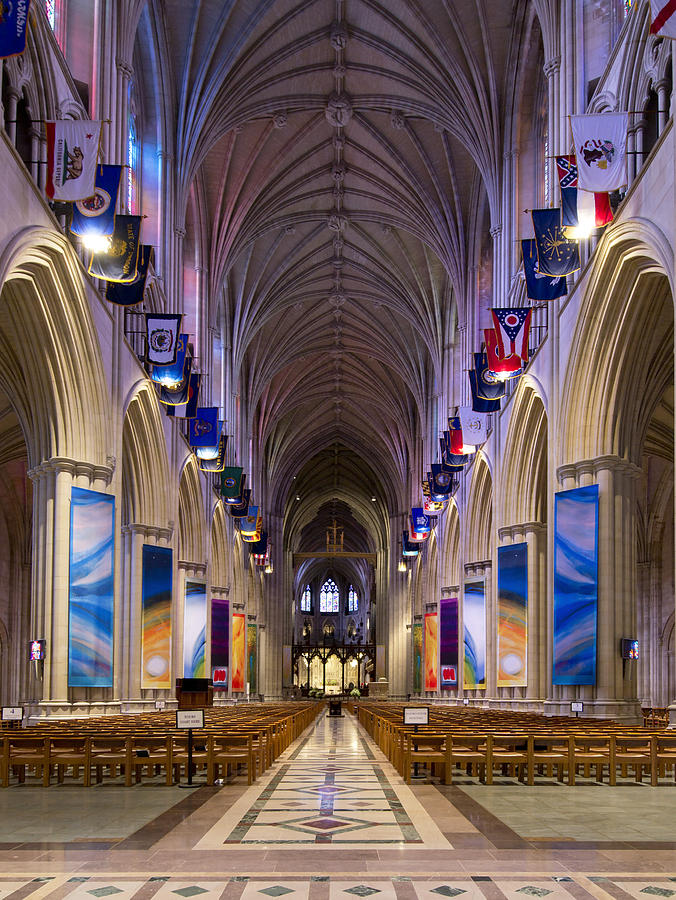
[(194, 693)]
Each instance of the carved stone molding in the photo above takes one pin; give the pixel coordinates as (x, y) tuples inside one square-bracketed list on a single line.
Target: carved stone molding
[(552, 66), (156, 532), (509, 531), (73, 467), (338, 110), (594, 466), (450, 591), (338, 36), (195, 568)]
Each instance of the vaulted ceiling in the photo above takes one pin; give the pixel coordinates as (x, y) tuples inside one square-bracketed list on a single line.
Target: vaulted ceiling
[(342, 161)]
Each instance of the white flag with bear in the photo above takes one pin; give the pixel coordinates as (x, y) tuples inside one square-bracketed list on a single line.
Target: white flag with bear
[(72, 154)]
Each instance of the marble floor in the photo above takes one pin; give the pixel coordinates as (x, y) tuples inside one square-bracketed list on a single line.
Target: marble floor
[(332, 820)]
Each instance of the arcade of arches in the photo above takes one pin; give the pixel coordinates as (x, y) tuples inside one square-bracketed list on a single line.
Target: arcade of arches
[(335, 191)]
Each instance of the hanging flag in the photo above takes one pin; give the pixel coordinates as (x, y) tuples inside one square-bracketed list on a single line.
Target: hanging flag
[(663, 18), (250, 537), (13, 24), (72, 153), (214, 463), (131, 294), (600, 141), (419, 521), (260, 548), (120, 262), (176, 395), (239, 510), (408, 548), (557, 255), (500, 366), (95, 215), (539, 286), (209, 451), (249, 522), (488, 386), (580, 208), (512, 328), (480, 404), (455, 442), (232, 483), (416, 537), (188, 409), (452, 462), (442, 483), (204, 427), (162, 338), (172, 375), (474, 427)]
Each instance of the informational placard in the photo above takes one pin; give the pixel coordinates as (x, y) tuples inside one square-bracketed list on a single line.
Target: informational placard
[(189, 718), (416, 715), (160, 704), (576, 706), (12, 713)]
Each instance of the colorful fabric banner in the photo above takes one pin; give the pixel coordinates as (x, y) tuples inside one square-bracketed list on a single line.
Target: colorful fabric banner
[(600, 141), (187, 410), (232, 484), (512, 615), (252, 656), (156, 579), (576, 519), (72, 153), (91, 589), (162, 338), (204, 431), (580, 207), (474, 427), (13, 24), (539, 286), (95, 215), (512, 329), (500, 366), (120, 262), (132, 294), (474, 626), (220, 642), (431, 651), (238, 664), (195, 630), (417, 643), (448, 642)]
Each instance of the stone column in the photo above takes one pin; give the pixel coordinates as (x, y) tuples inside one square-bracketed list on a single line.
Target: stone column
[(615, 692), (53, 481)]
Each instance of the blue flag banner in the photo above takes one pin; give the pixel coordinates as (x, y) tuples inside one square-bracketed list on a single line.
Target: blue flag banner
[(557, 256), (239, 510), (488, 386), (250, 521), (214, 463), (173, 375), (120, 262), (442, 482), (480, 404), (204, 431), (13, 24), (132, 294), (95, 215), (419, 521), (539, 286), (188, 410), (177, 394), (408, 548)]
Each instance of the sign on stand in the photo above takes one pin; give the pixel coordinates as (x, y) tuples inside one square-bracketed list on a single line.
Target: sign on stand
[(12, 713), (160, 704), (189, 719), (576, 706), (416, 715)]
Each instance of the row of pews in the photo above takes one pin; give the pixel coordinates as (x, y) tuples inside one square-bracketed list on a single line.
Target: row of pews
[(483, 743), (85, 751)]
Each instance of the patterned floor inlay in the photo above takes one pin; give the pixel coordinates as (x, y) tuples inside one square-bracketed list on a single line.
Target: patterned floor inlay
[(309, 801)]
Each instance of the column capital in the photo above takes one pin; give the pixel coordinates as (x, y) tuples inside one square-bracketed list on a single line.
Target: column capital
[(552, 66), (156, 532), (192, 568), (450, 591), (73, 467), (496, 231), (607, 462), (219, 589), (509, 531), (478, 568), (124, 68)]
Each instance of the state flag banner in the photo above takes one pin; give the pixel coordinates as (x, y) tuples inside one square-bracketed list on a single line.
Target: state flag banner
[(95, 215), (416, 537), (474, 427), (239, 510), (488, 386), (176, 394), (215, 463), (538, 286), (442, 483), (600, 141), (252, 536), (172, 375), (663, 18), (454, 441), (13, 24), (580, 209), (162, 337), (433, 507), (120, 262), (250, 521), (557, 254), (204, 427), (132, 294), (232, 484), (512, 329), (408, 548), (480, 404), (419, 521), (72, 154), (500, 366), (188, 410)]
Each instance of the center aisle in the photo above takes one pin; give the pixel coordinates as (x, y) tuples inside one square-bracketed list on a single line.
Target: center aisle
[(334, 788)]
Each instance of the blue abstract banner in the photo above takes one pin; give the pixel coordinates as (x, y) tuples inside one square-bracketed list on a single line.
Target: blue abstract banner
[(576, 519), (91, 589), (195, 630), (512, 615), (157, 575)]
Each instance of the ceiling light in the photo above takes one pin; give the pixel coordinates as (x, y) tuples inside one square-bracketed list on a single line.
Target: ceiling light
[(373, 500), (402, 566), (297, 497), (97, 243)]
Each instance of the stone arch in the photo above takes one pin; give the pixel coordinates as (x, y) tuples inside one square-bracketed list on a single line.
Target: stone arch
[(622, 351), (479, 534), (450, 559), (523, 479), (191, 538), (220, 551), (57, 383), (145, 498)]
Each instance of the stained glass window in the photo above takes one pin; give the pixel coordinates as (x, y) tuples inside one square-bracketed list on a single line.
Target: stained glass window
[(306, 600), (50, 8), (352, 600), (329, 598)]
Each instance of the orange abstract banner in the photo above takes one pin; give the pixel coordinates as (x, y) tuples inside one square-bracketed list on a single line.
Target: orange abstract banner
[(238, 651), (431, 651)]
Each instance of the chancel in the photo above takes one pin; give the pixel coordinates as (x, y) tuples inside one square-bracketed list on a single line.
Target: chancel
[(337, 459)]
